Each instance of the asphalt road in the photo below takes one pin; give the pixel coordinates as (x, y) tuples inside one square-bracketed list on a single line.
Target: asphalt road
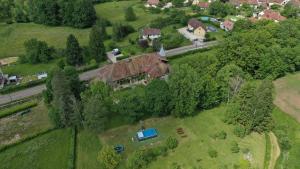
[(89, 75)]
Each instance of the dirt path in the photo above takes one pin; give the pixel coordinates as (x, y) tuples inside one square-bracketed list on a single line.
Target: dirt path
[(275, 150)]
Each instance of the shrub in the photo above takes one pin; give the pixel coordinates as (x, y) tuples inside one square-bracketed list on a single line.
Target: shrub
[(171, 143), (17, 108), (221, 135), (212, 153), (175, 166), (239, 131), (234, 147)]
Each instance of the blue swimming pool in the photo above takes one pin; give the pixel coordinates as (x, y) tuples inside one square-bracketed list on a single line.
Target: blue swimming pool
[(147, 134)]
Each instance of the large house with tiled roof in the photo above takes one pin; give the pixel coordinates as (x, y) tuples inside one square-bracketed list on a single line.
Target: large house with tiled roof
[(271, 15), (136, 70), (197, 27)]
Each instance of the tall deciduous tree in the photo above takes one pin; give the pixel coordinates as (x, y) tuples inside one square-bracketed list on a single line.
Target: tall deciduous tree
[(157, 98), (184, 86), (109, 158), (129, 14), (73, 51), (253, 107), (65, 108), (95, 114), (97, 48), (84, 14)]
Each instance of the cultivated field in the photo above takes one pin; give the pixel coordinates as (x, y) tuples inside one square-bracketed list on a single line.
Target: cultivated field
[(16, 127), (288, 94)]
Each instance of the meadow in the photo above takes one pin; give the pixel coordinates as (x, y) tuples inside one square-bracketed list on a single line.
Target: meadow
[(48, 151), (199, 130), (288, 94)]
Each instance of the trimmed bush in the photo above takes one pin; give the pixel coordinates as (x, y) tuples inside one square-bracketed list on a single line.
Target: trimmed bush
[(235, 147), (239, 131), (221, 135), (17, 108), (171, 143), (212, 153)]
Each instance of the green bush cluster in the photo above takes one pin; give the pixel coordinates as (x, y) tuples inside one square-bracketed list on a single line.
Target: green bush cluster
[(212, 153), (235, 147), (283, 139), (11, 110), (239, 131), (141, 158)]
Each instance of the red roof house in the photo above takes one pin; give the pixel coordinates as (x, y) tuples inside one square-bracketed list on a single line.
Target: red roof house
[(271, 15), (203, 5), (153, 2)]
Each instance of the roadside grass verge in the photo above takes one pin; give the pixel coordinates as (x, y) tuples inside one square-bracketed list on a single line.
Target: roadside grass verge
[(48, 151), (18, 108)]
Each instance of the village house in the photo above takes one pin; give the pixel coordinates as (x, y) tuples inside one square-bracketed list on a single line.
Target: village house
[(271, 15), (151, 33), (203, 5), (133, 71), (152, 3), (227, 25), (239, 3), (278, 2), (197, 27)]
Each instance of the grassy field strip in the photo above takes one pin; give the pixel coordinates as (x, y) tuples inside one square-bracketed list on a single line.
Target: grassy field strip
[(268, 151), (17, 108), (48, 151), (275, 150)]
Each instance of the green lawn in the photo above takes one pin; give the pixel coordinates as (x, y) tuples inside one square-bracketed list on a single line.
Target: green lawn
[(88, 147), (49, 151), (193, 150), (12, 37), (13, 128), (289, 159)]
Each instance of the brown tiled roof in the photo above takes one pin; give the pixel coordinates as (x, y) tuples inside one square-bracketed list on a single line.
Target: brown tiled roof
[(295, 3), (151, 31), (276, 1), (196, 24), (153, 2), (151, 64), (203, 4), (239, 2), (272, 15), (228, 24)]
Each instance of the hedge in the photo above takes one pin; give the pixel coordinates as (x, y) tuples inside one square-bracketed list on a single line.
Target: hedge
[(190, 52), (72, 153), (25, 139), (14, 88), (17, 108)]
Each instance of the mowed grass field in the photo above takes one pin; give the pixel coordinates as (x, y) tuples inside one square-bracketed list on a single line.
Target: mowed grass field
[(49, 151), (192, 151), (16, 127), (88, 147), (288, 94), (288, 159), (12, 37)]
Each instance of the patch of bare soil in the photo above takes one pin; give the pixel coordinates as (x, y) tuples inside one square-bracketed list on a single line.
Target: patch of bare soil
[(275, 150), (287, 98)]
